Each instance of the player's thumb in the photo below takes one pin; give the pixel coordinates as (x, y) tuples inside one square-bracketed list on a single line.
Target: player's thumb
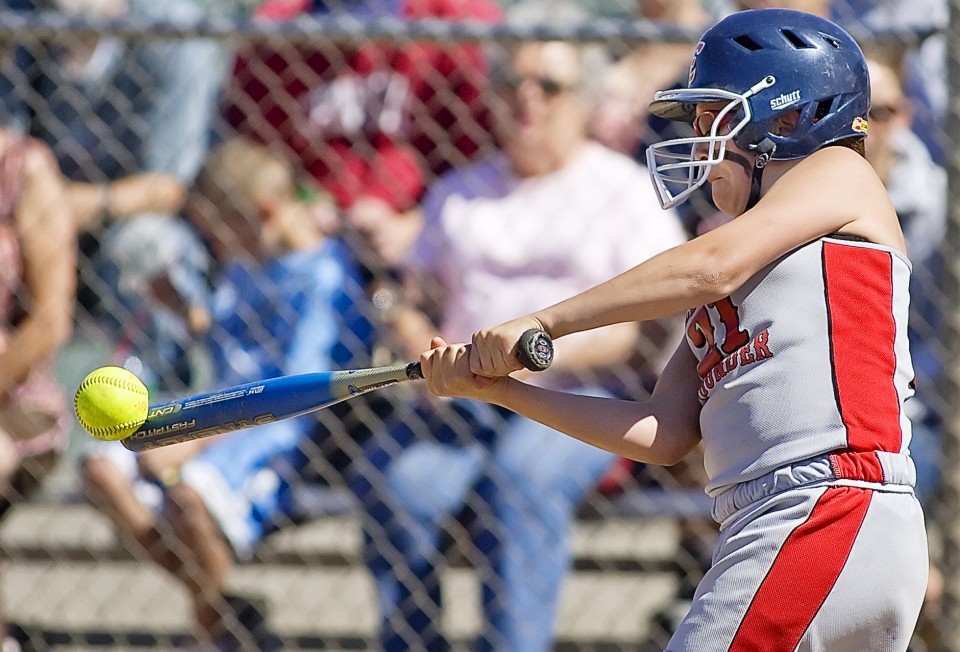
[(436, 342)]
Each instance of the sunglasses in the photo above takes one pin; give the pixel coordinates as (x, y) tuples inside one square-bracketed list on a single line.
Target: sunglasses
[(883, 112), (549, 86), (703, 122)]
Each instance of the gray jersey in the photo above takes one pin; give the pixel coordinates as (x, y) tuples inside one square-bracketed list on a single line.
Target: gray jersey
[(809, 356)]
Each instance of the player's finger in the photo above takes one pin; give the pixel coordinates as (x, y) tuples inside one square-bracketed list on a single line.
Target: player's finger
[(479, 357), (486, 355), (439, 367)]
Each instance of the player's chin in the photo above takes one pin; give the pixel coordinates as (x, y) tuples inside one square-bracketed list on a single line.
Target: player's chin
[(725, 199)]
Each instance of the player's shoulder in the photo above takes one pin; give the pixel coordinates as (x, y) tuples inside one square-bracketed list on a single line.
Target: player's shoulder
[(842, 161), (836, 190), (839, 175)]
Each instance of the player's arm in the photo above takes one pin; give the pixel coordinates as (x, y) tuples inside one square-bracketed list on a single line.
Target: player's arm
[(45, 227), (661, 430), (711, 266)]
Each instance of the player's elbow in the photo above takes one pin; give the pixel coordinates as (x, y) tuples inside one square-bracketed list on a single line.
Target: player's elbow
[(715, 274), (714, 282), (668, 455), (671, 445)]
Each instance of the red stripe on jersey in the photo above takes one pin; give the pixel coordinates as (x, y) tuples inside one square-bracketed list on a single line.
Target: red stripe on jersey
[(859, 289), (803, 574)]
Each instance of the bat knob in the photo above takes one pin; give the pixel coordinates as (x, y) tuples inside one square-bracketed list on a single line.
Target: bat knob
[(535, 350), (414, 372)]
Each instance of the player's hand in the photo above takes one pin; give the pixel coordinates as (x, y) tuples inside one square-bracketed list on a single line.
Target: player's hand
[(446, 370), (493, 351)]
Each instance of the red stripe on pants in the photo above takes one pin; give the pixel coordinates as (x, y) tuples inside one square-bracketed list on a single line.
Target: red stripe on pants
[(859, 287), (803, 573)]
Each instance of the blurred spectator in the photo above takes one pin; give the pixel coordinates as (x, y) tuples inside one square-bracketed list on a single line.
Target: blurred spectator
[(816, 7), (285, 300), (97, 204), (622, 121), (372, 121), (924, 66), (37, 259), (163, 270), (110, 107), (551, 214), (631, 82), (918, 189)]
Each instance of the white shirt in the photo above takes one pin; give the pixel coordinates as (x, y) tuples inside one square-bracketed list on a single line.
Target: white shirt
[(504, 246)]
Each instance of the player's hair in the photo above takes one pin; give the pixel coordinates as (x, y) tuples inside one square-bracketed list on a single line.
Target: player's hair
[(856, 144)]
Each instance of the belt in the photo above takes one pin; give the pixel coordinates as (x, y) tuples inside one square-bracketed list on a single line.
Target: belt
[(862, 468)]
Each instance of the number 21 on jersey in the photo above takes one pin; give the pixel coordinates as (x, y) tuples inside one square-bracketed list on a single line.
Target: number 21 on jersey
[(714, 329)]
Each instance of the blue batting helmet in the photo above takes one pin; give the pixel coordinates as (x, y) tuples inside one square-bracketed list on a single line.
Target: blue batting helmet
[(765, 63)]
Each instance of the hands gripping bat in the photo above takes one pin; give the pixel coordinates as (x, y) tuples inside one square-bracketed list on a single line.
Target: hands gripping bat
[(264, 401)]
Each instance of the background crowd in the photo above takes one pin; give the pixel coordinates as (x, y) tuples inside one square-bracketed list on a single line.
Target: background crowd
[(219, 211)]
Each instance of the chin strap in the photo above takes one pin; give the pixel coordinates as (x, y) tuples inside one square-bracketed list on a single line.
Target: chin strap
[(765, 150)]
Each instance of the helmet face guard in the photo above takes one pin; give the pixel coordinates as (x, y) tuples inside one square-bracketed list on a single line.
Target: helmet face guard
[(681, 165)]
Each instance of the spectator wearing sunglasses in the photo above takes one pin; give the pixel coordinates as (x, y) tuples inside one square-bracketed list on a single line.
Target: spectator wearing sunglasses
[(917, 187), (552, 212), (622, 121)]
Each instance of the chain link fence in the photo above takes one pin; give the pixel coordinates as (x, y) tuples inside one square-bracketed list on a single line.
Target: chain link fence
[(206, 145)]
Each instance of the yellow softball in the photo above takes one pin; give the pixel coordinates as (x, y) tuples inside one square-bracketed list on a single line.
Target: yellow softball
[(111, 403)]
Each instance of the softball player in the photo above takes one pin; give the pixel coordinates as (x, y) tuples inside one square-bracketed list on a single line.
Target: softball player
[(795, 368)]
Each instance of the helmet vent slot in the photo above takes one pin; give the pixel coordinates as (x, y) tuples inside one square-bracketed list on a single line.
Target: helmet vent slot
[(823, 109), (748, 43), (795, 39), (834, 43)]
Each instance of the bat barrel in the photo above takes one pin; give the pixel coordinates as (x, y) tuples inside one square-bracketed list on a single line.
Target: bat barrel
[(265, 401), (257, 403)]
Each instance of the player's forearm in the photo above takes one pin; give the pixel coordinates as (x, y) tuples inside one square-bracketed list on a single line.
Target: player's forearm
[(595, 349), (628, 428), (665, 285)]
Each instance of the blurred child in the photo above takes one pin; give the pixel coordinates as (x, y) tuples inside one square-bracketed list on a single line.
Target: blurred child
[(283, 302)]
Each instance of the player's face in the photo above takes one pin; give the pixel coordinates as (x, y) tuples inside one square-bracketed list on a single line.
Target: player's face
[(730, 179)]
